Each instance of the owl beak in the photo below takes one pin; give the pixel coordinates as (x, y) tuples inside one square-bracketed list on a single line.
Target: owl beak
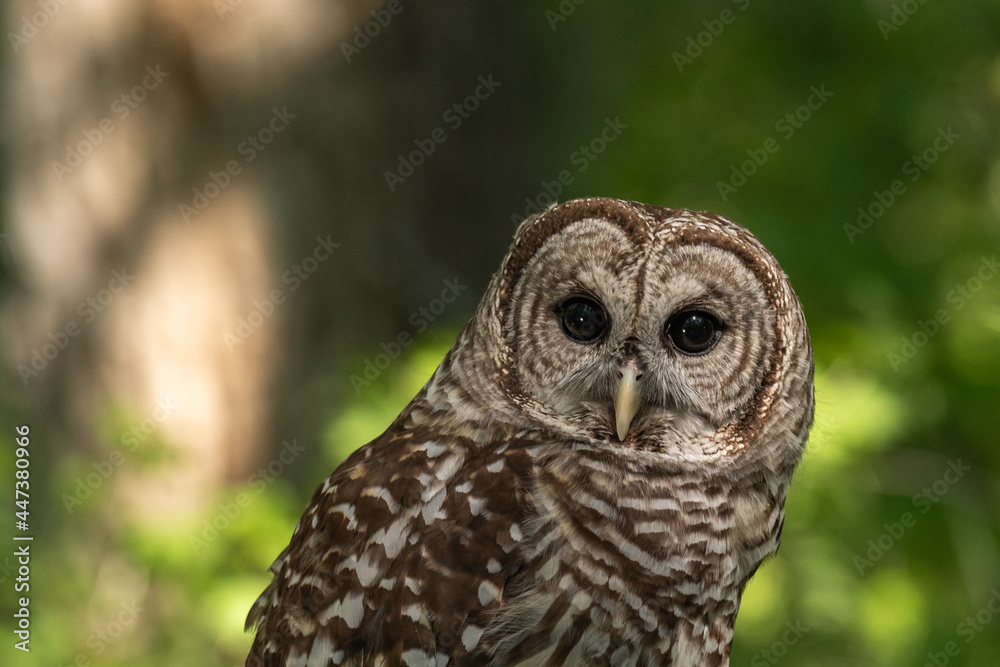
[(627, 400)]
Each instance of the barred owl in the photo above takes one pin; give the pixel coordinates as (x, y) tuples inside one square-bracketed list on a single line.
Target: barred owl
[(591, 475)]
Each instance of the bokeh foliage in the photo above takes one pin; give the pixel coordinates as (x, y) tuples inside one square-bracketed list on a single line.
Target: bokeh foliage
[(887, 549)]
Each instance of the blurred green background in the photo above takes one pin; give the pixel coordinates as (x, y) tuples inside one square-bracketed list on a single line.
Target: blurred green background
[(279, 296)]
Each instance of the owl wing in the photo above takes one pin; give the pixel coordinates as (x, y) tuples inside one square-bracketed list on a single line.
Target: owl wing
[(403, 554)]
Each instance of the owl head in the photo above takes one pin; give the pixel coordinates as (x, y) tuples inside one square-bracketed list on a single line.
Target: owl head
[(648, 328)]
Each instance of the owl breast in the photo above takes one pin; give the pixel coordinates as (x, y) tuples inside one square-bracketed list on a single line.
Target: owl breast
[(630, 564)]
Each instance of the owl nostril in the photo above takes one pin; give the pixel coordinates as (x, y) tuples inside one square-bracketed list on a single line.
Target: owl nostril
[(629, 358), (625, 365)]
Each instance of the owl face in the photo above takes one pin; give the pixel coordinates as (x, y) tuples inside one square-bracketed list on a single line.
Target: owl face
[(647, 329)]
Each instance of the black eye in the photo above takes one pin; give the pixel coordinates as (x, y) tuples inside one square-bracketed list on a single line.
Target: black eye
[(582, 319), (693, 331)]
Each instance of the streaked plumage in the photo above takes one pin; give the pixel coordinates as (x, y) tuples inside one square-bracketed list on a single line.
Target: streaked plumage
[(501, 519)]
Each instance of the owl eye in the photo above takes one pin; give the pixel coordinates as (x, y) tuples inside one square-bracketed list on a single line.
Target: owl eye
[(693, 331), (582, 319)]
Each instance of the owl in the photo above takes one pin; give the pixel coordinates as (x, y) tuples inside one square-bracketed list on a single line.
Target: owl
[(591, 475)]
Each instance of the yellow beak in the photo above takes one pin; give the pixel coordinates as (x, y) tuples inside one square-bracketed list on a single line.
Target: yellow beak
[(626, 402)]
